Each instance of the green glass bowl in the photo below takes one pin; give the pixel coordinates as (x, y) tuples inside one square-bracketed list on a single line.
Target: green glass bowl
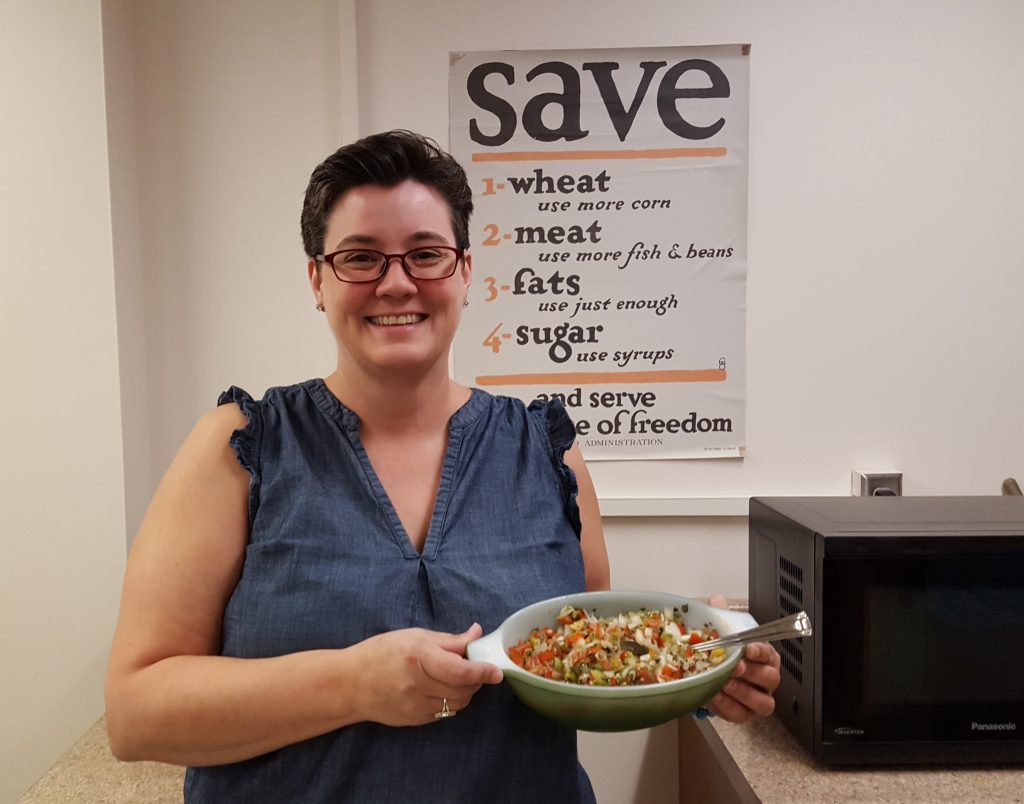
[(610, 708)]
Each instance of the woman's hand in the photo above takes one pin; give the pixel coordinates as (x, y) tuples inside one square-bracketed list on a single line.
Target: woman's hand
[(749, 692), (411, 672)]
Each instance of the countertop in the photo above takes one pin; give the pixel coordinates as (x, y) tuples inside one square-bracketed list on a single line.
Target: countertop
[(780, 772)]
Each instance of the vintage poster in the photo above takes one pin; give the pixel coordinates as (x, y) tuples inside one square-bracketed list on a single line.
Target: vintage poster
[(609, 240)]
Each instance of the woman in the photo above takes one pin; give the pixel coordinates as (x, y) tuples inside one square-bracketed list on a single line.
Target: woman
[(303, 587)]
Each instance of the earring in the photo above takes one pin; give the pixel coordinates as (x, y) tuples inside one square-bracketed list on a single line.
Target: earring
[(465, 302), (320, 306)]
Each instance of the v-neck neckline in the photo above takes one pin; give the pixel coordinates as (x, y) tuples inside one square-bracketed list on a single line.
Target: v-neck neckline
[(457, 423)]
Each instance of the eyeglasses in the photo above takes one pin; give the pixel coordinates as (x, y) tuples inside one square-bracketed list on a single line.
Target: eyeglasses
[(367, 265)]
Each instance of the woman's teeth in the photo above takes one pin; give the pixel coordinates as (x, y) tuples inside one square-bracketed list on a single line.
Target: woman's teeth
[(396, 320)]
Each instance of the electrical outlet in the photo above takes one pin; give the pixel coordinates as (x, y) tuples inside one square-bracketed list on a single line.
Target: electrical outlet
[(876, 484)]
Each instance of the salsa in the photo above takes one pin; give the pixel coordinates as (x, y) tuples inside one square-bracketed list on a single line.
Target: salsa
[(638, 647)]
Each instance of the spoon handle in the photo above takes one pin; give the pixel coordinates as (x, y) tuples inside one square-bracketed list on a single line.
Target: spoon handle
[(791, 627)]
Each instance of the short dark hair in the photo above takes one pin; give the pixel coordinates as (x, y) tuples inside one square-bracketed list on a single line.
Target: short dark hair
[(385, 159)]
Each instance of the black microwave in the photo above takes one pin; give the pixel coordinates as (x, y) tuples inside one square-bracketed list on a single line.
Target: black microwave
[(917, 606)]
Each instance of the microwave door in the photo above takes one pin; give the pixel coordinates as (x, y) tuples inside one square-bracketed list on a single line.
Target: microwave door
[(921, 648)]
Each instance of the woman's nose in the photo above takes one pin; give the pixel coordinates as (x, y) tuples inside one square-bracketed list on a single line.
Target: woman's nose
[(395, 280)]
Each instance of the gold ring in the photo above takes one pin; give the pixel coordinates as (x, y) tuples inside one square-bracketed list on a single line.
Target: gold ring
[(445, 711)]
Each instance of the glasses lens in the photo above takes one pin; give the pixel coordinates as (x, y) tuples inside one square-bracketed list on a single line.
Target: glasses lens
[(358, 265), (432, 262)]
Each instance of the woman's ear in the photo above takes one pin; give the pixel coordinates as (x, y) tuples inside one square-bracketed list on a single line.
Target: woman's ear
[(313, 271), (467, 269)]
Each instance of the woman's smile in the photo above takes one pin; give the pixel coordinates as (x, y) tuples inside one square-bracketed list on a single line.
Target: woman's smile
[(396, 320)]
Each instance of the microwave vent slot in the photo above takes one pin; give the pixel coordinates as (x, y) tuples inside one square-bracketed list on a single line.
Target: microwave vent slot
[(792, 647), (794, 590), (791, 586), (787, 606), (791, 665), (791, 600), (792, 570)]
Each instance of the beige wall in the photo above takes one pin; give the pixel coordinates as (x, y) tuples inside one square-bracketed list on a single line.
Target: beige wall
[(61, 483), (235, 102), (119, 79)]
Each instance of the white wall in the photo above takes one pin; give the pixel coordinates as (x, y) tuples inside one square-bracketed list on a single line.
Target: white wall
[(884, 249), (61, 483)]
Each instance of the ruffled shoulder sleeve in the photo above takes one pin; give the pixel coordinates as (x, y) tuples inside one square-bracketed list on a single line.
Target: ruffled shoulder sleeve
[(561, 433), (246, 441)]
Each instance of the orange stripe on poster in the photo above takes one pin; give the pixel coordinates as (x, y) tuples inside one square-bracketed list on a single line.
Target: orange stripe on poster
[(552, 156), (605, 377)]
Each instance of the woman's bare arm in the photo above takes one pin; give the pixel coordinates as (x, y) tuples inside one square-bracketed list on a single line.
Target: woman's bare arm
[(171, 698), (595, 554)]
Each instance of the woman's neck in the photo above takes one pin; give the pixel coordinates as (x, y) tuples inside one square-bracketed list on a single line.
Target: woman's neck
[(394, 402)]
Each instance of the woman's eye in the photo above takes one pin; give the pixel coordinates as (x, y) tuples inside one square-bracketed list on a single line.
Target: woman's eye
[(426, 255), (360, 257)]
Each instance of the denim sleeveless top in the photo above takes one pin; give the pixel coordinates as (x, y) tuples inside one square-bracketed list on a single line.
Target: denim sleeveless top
[(329, 564)]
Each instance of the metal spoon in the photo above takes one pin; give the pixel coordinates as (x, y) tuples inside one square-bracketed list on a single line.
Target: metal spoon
[(791, 627)]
